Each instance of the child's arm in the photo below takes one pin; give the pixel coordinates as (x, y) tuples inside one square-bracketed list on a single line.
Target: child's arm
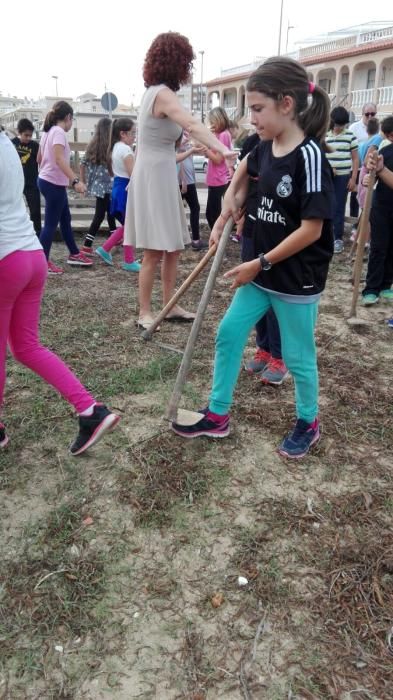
[(65, 168), (355, 168), (214, 156), (375, 162), (129, 162), (82, 172), (308, 232), (234, 199), (182, 178), (182, 155)]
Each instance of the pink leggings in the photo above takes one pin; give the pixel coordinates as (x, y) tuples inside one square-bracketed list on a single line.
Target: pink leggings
[(22, 280), (114, 239)]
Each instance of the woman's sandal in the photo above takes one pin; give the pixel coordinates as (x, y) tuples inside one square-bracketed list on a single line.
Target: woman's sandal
[(183, 317), (145, 323)]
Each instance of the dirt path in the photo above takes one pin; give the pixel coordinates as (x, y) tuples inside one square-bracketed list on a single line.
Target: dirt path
[(120, 570)]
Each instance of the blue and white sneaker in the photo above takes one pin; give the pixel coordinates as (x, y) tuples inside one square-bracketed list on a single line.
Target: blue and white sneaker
[(106, 257), (211, 425), (131, 267), (389, 322), (297, 443)]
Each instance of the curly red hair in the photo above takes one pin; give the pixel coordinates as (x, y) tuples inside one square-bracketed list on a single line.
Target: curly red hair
[(168, 61)]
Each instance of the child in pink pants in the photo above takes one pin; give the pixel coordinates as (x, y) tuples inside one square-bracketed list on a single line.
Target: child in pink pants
[(23, 273)]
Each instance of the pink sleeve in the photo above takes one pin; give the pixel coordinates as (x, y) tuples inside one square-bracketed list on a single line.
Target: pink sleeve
[(59, 138), (225, 138)]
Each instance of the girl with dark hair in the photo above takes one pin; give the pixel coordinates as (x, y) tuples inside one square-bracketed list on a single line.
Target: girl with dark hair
[(293, 244), (155, 218), (217, 176), (55, 175), (121, 164), (95, 175), (23, 273)]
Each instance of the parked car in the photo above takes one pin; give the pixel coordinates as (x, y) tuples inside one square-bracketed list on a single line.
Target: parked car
[(200, 163)]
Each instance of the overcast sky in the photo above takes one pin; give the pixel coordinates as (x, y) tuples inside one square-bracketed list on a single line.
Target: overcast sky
[(87, 48)]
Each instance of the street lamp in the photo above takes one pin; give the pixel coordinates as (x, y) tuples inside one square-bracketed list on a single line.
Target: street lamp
[(201, 86), (55, 77)]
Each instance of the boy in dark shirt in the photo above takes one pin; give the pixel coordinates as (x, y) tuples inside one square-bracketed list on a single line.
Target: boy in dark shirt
[(379, 277), (28, 151)]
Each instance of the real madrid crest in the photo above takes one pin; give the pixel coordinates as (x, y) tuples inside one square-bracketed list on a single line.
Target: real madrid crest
[(284, 187)]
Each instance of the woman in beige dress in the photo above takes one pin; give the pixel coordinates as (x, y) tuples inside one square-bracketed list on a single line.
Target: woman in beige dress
[(155, 218)]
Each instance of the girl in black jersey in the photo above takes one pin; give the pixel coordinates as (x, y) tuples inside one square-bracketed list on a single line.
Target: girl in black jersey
[(292, 245)]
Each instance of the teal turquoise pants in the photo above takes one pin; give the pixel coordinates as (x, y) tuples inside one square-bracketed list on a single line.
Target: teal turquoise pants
[(297, 324)]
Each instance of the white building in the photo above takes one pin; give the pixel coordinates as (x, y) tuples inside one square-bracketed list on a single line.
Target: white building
[(87, 111)]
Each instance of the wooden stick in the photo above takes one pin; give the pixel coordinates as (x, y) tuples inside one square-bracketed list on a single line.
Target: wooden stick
[(363, 228), (355, 240), (147, 334), (205, 298)]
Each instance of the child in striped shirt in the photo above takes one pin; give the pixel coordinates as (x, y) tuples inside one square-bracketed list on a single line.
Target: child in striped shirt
[(344, 159)]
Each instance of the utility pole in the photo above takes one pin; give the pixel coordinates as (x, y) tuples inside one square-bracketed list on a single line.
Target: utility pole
[(201, 85), (290, 26), (55, 77), (279, 33)]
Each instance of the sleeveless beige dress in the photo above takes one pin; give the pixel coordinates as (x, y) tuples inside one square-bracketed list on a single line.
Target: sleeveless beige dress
[(155, 216)]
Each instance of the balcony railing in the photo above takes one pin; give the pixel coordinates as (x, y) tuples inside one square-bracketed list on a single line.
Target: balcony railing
[(377, 34), (385, 95), (231, 111), (362, 97), (346, 42), (327, 47)]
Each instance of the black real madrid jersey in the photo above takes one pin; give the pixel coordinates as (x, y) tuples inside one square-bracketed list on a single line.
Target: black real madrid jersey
[(293, 187)]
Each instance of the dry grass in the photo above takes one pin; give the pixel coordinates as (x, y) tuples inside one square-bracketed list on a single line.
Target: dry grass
[(176, 522)]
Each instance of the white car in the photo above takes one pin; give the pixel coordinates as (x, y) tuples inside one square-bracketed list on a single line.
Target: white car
[(200, 163)]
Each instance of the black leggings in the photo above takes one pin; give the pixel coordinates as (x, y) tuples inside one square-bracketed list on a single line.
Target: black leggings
[(102, 208), (214, 203), (33, 199), (191, 197)]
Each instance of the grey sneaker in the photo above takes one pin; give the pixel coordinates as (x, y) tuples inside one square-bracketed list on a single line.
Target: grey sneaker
[(274, 373), (199, 245), (258, 362), (338, 246)]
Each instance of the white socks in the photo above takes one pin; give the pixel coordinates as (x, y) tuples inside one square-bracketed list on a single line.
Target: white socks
[(88, 411)]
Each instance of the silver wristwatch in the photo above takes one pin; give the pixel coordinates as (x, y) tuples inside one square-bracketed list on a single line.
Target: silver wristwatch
[(265, 264)]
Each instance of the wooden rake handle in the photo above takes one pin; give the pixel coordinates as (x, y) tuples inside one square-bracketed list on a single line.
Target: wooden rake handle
[(363, 228), (173, 405), (147, 334)]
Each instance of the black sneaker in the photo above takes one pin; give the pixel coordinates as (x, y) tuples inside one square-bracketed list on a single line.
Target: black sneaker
[(3, 435), (207, 426), (92, 428)]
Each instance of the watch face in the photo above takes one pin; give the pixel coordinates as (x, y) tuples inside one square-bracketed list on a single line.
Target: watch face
[(265, 264)]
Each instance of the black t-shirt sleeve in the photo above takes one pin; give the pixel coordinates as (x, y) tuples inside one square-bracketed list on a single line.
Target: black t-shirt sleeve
[(315, 182), (255, 158), (248, 145)]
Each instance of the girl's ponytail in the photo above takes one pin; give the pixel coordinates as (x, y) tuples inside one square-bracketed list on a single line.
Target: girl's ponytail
[(315, 119), (59, 111), (49, 120)]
